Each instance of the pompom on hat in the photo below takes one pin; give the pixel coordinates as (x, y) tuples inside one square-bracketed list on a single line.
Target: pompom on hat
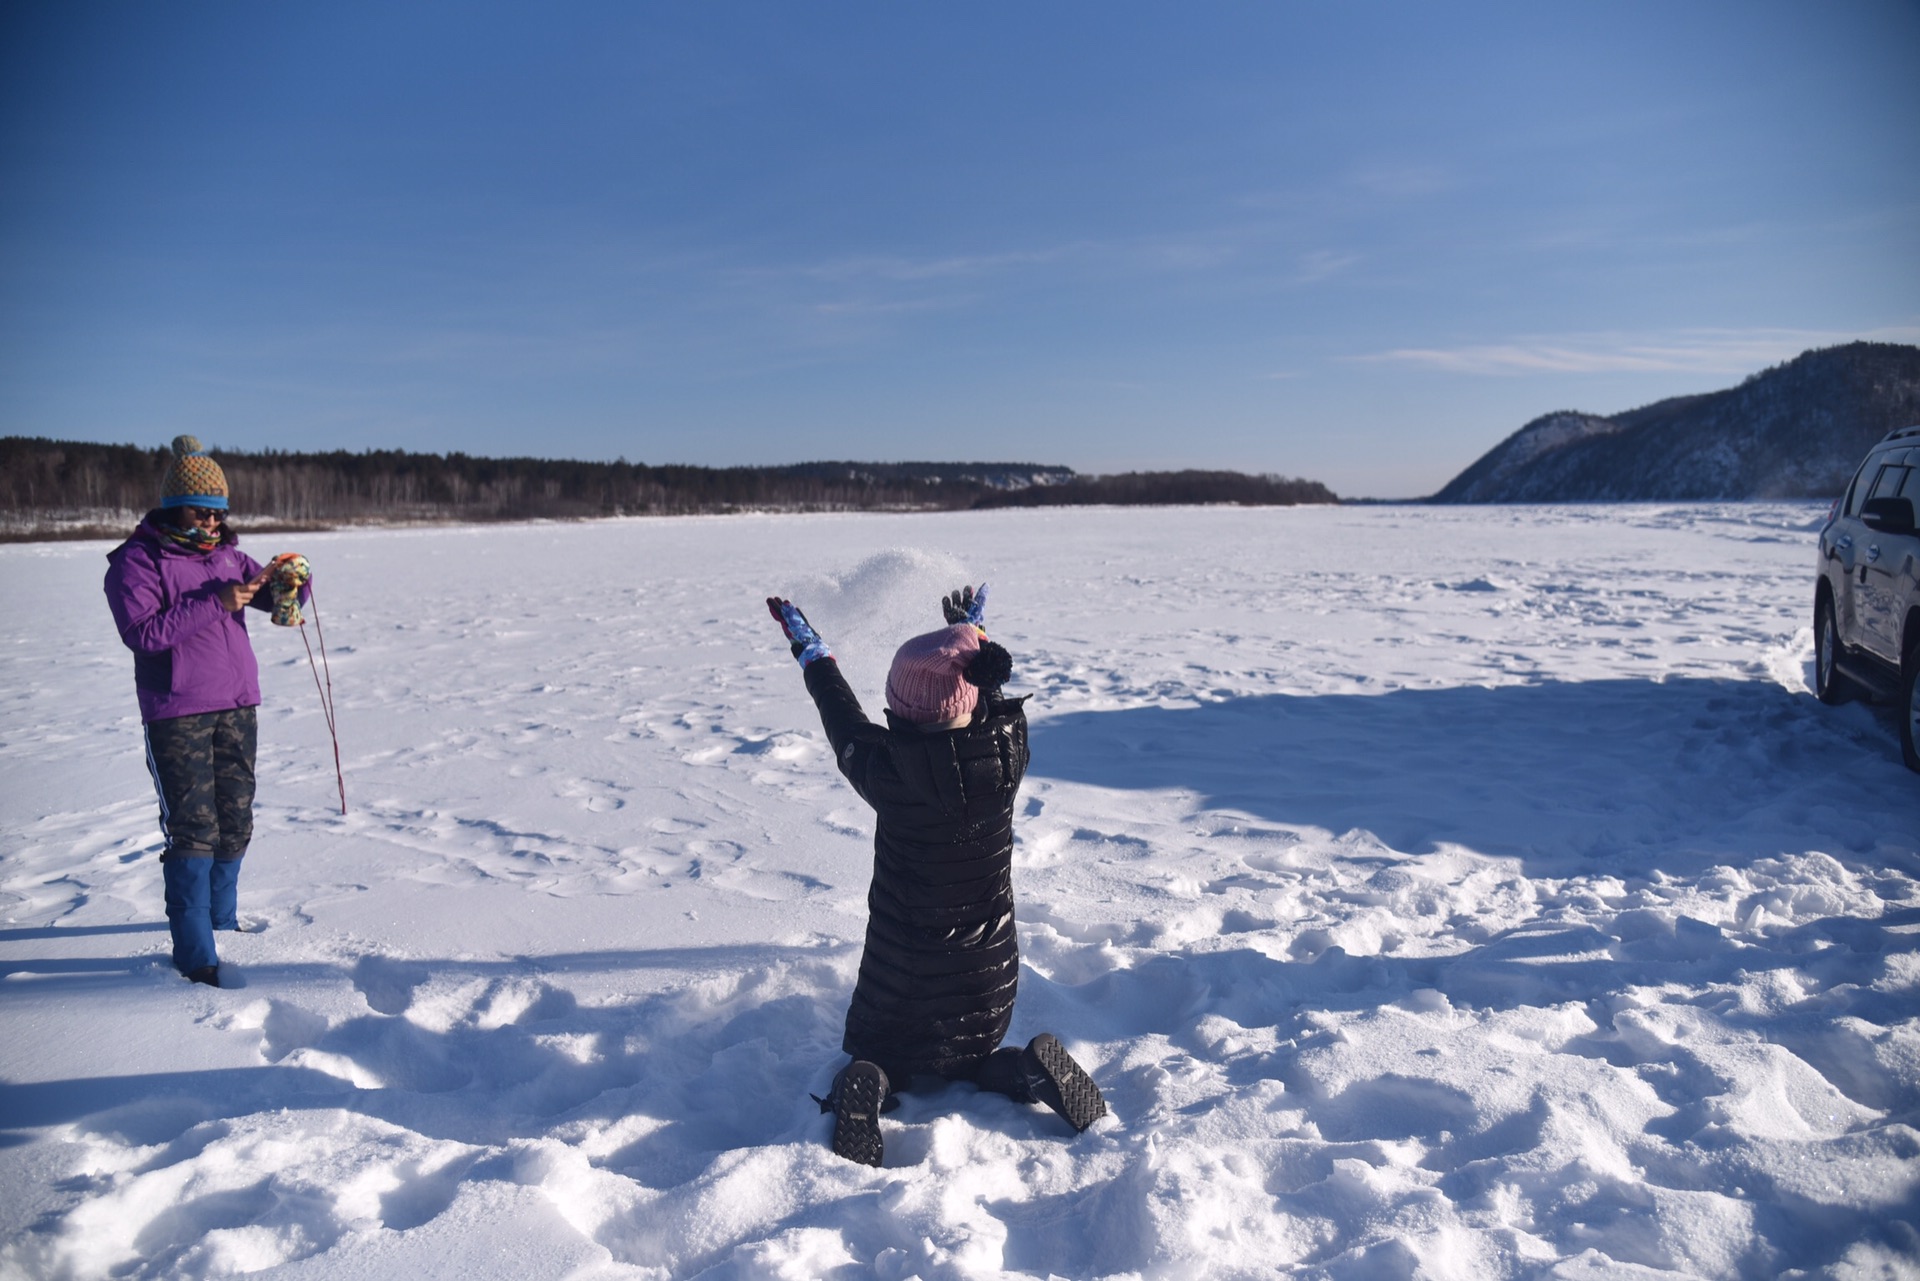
[(938, 677), (193, 480)]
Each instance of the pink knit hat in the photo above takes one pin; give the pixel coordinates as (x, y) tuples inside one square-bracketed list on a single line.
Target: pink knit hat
[(928, 683)]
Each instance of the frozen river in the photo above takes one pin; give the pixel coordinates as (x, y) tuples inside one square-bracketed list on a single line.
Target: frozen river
[(1452, 892)]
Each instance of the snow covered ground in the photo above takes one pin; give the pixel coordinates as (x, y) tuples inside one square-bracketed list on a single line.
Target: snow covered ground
[(1452, 892)]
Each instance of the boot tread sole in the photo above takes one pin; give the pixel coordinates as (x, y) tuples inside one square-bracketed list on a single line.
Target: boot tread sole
[(1080, 1102), (856, 1115)]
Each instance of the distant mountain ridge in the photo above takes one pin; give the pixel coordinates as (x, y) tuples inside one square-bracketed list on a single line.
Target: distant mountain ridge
[(1796, 430)]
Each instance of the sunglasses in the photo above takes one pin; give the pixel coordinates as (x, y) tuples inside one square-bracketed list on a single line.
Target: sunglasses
[(197, 514)]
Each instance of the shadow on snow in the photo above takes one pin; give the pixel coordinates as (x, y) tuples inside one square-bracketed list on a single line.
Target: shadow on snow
[(1651, 773)]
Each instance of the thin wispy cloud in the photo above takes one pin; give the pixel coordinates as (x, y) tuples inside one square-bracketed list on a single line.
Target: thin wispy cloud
[(1247, 254), (1696, 351), (1194, 251), (1357, 189), (1323, 264), (1403, 181), (856, 307), (903, 268)]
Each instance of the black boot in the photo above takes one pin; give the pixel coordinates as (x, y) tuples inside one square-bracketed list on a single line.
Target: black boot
[(1057, 1081), (857, 1098), (208, 974)]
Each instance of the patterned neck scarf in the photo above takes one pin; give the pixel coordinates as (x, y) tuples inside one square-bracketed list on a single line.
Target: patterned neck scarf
[(193, 539)]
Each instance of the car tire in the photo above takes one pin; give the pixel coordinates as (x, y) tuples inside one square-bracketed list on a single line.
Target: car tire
[(1830, 684), (1909, 707)]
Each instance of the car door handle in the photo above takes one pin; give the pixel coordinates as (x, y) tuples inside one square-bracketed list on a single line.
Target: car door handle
[(1873, 551)]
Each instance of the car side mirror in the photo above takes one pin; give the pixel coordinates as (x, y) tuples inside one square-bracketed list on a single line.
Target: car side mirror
[(1888, 515)]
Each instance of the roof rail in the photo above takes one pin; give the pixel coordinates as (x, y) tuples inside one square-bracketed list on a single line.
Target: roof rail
[(1900, 433)]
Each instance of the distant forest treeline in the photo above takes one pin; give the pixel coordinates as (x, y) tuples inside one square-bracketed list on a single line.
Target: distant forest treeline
[(1163, 488), (49, 487)]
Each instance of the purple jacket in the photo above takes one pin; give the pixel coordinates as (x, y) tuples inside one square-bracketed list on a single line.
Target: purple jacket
[(189, 654)]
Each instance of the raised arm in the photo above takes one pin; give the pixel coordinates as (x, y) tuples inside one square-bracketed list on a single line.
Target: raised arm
[(855, 739)]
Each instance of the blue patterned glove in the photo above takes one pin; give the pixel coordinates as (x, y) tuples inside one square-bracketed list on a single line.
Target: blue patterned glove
[(805, 642), (967, 606)]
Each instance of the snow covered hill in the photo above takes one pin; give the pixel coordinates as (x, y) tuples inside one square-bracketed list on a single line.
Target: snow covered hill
[(1434, 891), (1795, 431)]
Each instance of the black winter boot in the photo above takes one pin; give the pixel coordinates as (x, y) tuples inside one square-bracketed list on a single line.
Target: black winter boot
[(208, 974), (857, 1097), (1057, 1081)]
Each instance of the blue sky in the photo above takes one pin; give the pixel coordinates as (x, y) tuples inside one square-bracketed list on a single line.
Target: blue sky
[(1356, 242)]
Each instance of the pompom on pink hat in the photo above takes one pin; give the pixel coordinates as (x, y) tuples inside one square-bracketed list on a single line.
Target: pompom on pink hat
[(928, 684)]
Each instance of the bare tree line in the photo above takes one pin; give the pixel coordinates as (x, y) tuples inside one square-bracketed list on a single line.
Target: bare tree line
[(1163, 488), (51, 488)]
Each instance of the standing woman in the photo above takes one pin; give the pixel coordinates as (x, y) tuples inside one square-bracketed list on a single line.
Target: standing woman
[(177, 587)]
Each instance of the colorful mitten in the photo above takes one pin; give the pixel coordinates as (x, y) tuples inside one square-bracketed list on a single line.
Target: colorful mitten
[(289, 573)]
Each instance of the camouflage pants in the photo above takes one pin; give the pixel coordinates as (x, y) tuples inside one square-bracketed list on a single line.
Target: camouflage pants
[(202, 767)]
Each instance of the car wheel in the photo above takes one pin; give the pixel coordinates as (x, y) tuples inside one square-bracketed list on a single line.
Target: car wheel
[(1830, 684), (1909, 708)]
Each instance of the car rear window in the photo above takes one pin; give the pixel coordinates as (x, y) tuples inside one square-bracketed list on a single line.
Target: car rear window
[(1890, 481)]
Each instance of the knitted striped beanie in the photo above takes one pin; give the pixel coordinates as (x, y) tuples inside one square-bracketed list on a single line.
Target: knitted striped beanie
[(194, 480)]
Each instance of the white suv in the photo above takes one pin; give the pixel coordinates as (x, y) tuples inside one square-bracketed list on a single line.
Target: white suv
[(1866, 602)]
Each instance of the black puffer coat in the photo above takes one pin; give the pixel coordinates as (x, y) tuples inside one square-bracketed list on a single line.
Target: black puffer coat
[(941, 963)]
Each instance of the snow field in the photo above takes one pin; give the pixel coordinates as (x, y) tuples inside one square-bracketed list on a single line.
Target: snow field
[(1433, 892)]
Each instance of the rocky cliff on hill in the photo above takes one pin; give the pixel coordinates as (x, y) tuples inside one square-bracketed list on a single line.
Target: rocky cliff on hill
[(1794, 431)]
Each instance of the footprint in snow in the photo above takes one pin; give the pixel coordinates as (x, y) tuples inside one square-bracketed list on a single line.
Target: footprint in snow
[(387, 985)]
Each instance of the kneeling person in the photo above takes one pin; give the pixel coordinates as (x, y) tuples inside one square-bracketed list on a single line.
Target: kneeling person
[(937, 977)]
